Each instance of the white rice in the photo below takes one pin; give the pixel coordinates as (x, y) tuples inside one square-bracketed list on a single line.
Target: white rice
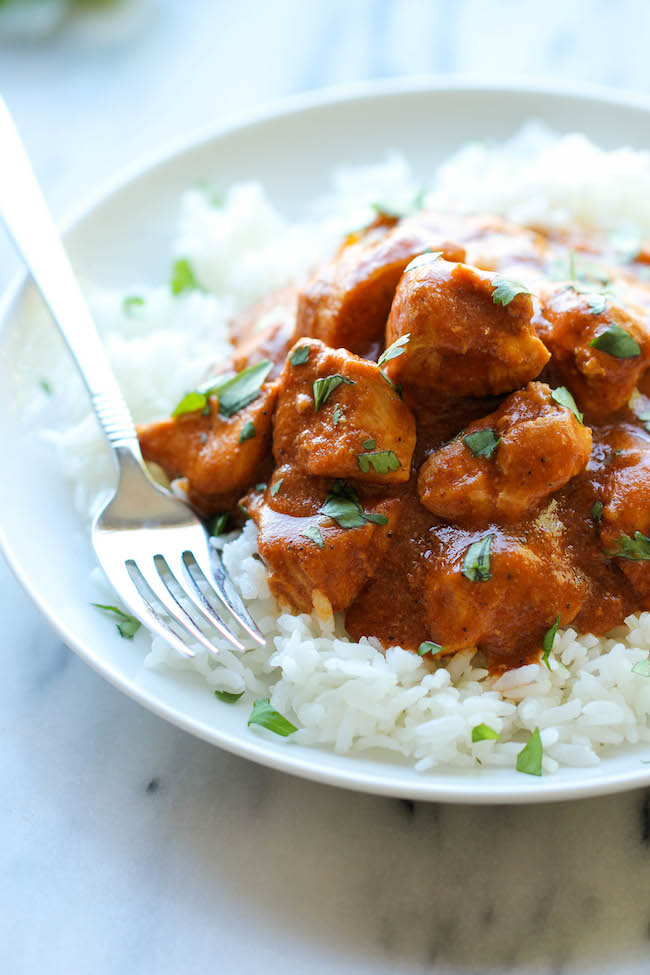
[(341, 694)]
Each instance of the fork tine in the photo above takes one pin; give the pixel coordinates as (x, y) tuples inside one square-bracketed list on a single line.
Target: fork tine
[(188, 584), (149, 572), (126, 589), (211, 567)]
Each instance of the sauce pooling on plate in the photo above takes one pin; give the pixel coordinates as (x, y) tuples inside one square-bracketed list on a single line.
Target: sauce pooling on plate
[(442, 434)]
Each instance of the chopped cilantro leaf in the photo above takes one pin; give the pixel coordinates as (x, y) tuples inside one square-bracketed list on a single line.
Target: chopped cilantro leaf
[(428, 647), (275, 487), (482, 732), (183, 277), (131, 303), (260, 486), (218, 526), (476, 564), (597, 512), (267, 717), (247, 431), (483, 443), (227, 696), (314, 534), (369, 444), (238, 391), (427, 257), (636, 549), (642, 668), (562, 396), (547, 643), (394, 350), (597, 303), (323, 388), (529, 759), (342, 505), (382, 461), (506, 291), (299, 356), (336, 416), (127, 626), (46, 386), (191, 403), (617, 342)]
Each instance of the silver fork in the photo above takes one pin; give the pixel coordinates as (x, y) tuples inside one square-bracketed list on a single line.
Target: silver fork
[(143, 528)]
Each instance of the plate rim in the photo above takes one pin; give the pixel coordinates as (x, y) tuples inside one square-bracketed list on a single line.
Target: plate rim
[(258, 749)]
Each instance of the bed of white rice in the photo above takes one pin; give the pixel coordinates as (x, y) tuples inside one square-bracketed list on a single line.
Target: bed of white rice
[(341, 694)]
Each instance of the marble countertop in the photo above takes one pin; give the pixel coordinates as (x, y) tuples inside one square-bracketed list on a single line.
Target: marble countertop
[(128, 846)]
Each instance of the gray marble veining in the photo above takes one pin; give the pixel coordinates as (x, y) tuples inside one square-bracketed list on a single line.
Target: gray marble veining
[(127, 846)]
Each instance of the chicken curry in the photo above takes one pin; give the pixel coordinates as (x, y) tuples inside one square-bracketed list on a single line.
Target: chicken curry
[(443, 433)]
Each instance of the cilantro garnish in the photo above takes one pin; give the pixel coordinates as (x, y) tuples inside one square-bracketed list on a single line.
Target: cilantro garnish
[(267, 717), (394, 350), (275, 487), (218, 526), (476, 564), (127, 626), (46, 386), (183, 277), (547, 643), (342, 505), (369, 444), (483, 443), (227, 696), (382, 461), (428, 647), (314, 534), (299, 356), (617, 342), (597, 512), (427, 257), (642, 668), (562, 396), (240, 390), (482, 732), (247, 431), (506, 291), (191, 403), (336, 416), (323, 388), (635, 549), (529, 759), (130, 303)]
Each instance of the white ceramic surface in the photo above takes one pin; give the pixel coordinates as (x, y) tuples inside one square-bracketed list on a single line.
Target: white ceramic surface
[(123, 237)]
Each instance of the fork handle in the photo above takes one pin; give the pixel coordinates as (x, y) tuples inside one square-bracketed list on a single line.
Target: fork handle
[(32, 228)]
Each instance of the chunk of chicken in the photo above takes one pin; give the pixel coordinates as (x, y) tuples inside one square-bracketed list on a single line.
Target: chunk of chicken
[(219, 456), (621, 469), (314, 563), (529, 579), (601, 377), (351, 424), (348, 300), (462, 343), (502, 466)]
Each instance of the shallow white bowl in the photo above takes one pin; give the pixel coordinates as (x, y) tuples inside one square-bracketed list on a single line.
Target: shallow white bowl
[(123, 236)]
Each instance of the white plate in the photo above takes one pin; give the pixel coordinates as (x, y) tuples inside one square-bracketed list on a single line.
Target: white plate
[(124, 236)]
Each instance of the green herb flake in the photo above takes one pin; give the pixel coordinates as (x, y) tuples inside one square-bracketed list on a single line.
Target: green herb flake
[(547, 643), (506, 291), (299, 356), (260, 486), (476, 564), (615, 341), (427, 257), (238, 391), (597, 512), (642, 668), (562, 396), (183, 277), (228, 697), (394, 350), (247, 431), (314, 534), (635, 549), (46, 386), (267, 717), (323, 388), (342, 505), (191, 403), (382, 461), (369, 444), (219, 523), (483, 732), (204, 439), (597, 303), (397, 388), (483, 443), (131, 303), (428, 647), (127, 626), (336, 416), (275, 487), (529, 759)]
